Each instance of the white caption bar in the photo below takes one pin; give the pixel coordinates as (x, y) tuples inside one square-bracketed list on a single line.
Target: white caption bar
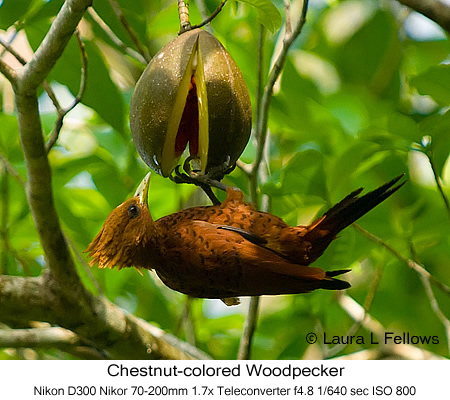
[(224, 379)]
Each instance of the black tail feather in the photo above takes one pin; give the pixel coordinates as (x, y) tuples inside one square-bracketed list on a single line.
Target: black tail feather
[(354, 206), (330, 274), (334, 284), (329, 283)]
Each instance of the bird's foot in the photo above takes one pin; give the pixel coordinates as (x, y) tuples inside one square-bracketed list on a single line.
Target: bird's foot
[(231, 301), (206, 181)]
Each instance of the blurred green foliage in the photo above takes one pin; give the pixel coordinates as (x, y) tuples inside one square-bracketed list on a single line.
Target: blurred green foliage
[(361, 100)]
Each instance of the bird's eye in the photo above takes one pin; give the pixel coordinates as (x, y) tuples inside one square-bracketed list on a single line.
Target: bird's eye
[(133, 211)]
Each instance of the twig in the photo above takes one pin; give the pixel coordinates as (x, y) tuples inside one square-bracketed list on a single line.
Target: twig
[(183, 13), (437, 10), (252, 314), (204, 13), (63, 112), (85, 265), (361, 318), (4, 218), (10, 41), (424, 275), (433, 301), (288, 24), (261, 138), (5, 69), (258, 113), (438, 181), (51, 94), (245, 168), (435, 306), (121, 45), (358, 313), (52, 46), (211, 17), (185, 319), (8, 72), (46, 86), (261, 124), (410, 263), (10, 49), (118, 11), (11, 170), (245, 344), (397, 352)]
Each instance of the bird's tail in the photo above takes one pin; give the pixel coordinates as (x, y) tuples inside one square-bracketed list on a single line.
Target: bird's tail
[(345, 213), (330, 283), (354, 206)]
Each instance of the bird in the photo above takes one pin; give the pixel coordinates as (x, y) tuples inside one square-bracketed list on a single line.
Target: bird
[(228, 250)]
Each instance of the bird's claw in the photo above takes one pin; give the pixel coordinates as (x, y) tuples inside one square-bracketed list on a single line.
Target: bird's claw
[(231, 301), (214, 175), (211, 179)]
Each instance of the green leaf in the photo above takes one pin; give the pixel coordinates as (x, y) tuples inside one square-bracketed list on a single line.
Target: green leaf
[(11, 11), (101, 94), (436, 126), (9, 139), (42, 10), (267, 14), (435, 82), (371, 57), (304, 174)]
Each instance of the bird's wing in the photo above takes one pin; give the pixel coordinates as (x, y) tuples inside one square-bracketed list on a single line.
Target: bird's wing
[(250, 236), (207, 260)]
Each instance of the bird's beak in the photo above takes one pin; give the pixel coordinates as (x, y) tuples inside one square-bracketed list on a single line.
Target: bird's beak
[(142, 190)]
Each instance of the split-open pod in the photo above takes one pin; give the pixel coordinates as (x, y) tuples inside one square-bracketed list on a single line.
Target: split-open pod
[(192, 94)]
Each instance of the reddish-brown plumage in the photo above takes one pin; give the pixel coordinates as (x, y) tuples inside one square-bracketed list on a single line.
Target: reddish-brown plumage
[(227, 250)]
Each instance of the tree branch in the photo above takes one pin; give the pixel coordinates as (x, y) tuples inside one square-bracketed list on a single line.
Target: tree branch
[(54, 43), (38, 337), (410, 263), (261, 123), (40, 193), (436, 10), (50, 337), (103, 326)]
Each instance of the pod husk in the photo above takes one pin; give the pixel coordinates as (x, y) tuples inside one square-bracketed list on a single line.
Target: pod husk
[(160, 95)]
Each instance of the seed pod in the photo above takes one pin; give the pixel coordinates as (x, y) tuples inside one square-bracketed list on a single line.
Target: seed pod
[(192, 92)]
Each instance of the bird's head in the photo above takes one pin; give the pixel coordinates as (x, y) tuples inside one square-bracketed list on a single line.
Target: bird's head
[(125, 234)]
